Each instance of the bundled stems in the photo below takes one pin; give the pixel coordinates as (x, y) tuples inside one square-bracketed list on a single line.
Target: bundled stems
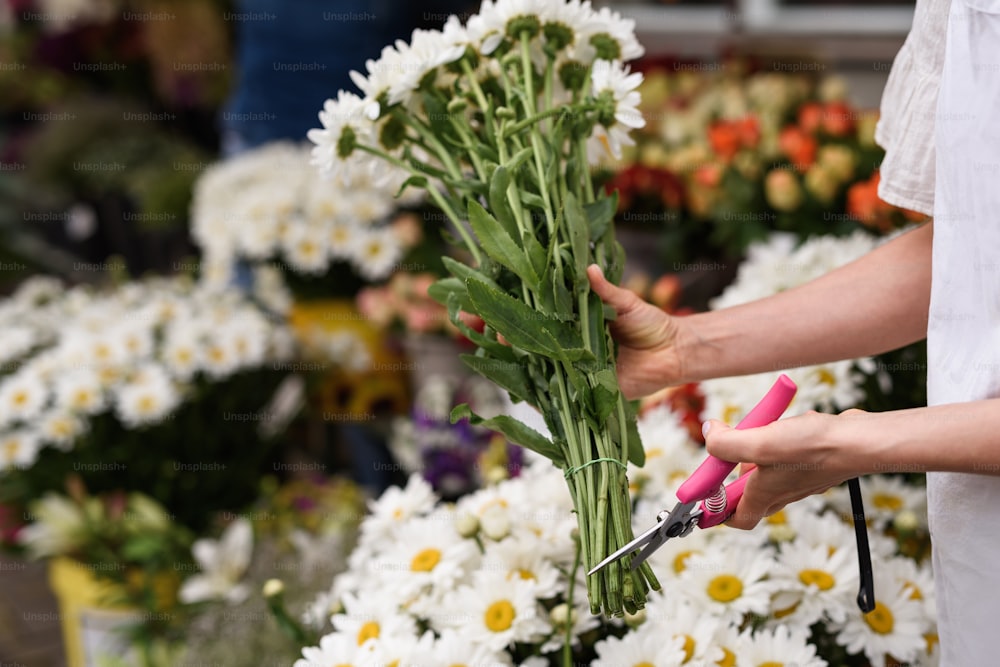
[(508, 166)]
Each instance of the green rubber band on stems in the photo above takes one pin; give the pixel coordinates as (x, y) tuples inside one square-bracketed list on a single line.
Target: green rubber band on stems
[(572, 470)]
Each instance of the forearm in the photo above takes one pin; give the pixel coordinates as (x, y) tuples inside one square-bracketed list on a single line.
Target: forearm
[(875, 304), (959, 437)]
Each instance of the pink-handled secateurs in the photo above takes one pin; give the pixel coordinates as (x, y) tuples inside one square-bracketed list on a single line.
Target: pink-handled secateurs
[(704, 499)]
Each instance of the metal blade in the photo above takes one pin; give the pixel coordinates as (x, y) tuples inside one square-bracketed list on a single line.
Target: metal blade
[(647, 536)]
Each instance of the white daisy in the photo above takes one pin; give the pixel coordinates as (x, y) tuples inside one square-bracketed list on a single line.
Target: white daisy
[(60, 428), (147, 398), (219, 356), (341, 239), (346, 123), (396, 507), (521, 558), (375, 252), (14, 341), (493, 612), (223, 563), (22, 397), (181, 353), (454, 649), (887, 496), (615, 90), (728, 582), (305, 250), (426, 558), (369, 618), (821, 583), (669, 615), (781, 645), (382, 76), (611, 37), (896, 627), (18, 449), (338, 650), (639, 647), (427, 51)]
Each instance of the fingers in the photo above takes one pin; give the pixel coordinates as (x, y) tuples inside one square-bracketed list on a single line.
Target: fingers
[(622, 300)]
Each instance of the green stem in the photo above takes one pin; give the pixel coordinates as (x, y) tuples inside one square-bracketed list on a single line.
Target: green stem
[(568, 641)]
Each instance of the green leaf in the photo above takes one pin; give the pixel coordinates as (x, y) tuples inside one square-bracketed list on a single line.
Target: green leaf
[(600, 213), (605, 394), (531, 200), (418, 182), (495, 348), (579, 236), (442, 290), (525, 327), (509, 375), (499, 245), (536, 255), (499, 183), (515, 161), (515, 431), (464, 272)]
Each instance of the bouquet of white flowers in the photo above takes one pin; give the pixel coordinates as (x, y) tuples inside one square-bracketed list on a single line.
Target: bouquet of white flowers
[(498, 120)]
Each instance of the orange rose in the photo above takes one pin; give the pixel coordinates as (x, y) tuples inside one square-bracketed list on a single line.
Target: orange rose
[(811, 116), (799, 146), (724, 138), (838, 119), (782, 190)]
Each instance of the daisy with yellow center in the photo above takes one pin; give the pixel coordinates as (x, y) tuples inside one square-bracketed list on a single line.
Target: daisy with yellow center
[(638, 649), (728, 582), (896, 627), (495, 611), (812, 583)]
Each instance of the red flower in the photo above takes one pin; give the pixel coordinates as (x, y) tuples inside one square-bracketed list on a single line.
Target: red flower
[(799, 146), (724, 138), (811, 116), (838, 119)]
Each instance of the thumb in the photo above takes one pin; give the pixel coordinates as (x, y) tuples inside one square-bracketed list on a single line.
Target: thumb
[(622, 300)]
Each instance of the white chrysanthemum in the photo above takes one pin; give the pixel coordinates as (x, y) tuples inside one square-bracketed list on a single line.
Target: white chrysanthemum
[(347, 121), (395, 508), (382, 76), (887, 496), (80, 391), (22, 397), (895, 627), (611, 37), (728, 582), (816, 584), (639, 647), (612, 83), (782, 645), (219, 356), (60, 428), (832, 386), (375, 252), (338, 650), (425, 559), (427, 51), (223, 563), (670, 616), (147, 398), (521, 558), (14, 341), (181, 353), (493, 612), (18, 449), (368, 618), (305, 250)]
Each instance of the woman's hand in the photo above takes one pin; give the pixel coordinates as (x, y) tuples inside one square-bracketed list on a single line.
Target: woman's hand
[(794, 458), (647, 338)]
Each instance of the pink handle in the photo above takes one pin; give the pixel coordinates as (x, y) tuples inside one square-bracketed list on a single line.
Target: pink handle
[(706, 480)]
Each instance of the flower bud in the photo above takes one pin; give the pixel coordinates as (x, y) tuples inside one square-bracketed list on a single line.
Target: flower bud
[(562, 615), (636, 619), (273, 588), (505, 113), (821, 184), (782, 190), (495, 523), (781, 533), (467, 525), (906, 521), (457, 105)]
